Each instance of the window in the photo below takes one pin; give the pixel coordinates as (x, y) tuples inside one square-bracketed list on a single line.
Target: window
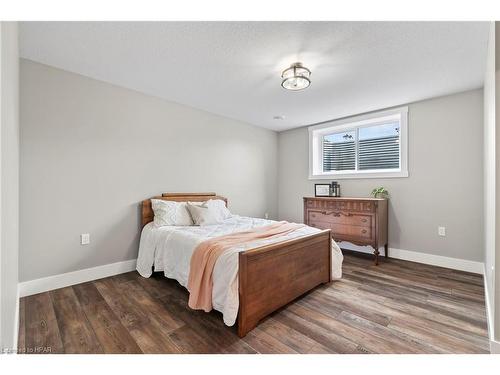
[(373, 145)]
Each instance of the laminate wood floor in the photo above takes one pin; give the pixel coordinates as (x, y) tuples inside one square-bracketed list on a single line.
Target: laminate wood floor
[(396, 307)]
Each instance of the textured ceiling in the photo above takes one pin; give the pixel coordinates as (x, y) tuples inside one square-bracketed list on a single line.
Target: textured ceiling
[(233, 68)]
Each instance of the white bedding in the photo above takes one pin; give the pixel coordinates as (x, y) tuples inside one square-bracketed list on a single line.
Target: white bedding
[(169, 249)]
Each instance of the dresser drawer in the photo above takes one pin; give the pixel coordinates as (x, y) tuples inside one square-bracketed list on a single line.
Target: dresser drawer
[(320, 225), (352, 231), (341, 205), (336, 217)]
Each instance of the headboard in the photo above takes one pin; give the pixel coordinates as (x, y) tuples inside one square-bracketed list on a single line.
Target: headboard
[(147, 211)]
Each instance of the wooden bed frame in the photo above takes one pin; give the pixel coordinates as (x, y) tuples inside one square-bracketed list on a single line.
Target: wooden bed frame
[(269, 276)]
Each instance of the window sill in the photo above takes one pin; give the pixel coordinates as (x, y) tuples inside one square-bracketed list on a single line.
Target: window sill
[(357, 175)]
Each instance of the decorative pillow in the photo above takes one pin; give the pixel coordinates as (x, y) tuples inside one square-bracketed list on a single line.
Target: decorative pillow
[(219, 206), (204, 214), (170, 213)]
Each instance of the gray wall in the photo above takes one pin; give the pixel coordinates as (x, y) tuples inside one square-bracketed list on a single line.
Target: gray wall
[(496, 302), (489, 175), (9, 198), (91, 151), (445, 187)]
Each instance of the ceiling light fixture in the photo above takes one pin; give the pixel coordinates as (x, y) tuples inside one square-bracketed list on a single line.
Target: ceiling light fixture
[(296, 77)]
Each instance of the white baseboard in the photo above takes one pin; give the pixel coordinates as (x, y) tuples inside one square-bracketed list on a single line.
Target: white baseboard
[(27, 288), (438, 260), (431, 259), (489, 311), (494, 347)]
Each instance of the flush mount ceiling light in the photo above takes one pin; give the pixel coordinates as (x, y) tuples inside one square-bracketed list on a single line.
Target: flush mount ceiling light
[(296, 77)]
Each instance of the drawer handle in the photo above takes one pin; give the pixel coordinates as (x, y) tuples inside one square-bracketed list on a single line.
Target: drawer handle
[(363, 220), (363, 231), (330, 213), (336, 214), (347, 214)]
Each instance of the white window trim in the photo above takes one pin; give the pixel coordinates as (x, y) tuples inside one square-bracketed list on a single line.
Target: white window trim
[(315, 146)]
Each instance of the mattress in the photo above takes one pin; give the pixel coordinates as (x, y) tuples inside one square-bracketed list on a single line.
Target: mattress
[(169, 248)]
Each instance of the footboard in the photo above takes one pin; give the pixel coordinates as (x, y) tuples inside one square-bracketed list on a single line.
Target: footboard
[(273, 275)]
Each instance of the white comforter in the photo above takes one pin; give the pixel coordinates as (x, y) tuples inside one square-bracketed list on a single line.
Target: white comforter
[(169, 249)]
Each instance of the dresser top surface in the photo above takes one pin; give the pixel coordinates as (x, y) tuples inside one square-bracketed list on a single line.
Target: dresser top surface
[(347, 198)]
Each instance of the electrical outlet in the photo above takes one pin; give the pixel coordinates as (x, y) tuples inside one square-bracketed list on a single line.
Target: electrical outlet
[(85, 238), (266, 215), (442, 231)]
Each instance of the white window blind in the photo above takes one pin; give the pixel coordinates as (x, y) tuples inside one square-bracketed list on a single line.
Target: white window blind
[(379, 146), (339, 152)]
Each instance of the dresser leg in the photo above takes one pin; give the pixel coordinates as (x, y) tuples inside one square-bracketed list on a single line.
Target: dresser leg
[(386, 247), (376, 253)]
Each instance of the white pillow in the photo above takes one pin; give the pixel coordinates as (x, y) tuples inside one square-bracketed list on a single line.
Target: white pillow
[(170, 213), (204, 214), (197, 203), (219, 206)]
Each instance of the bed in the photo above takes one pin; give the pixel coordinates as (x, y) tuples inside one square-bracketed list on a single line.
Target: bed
[(250, 281)]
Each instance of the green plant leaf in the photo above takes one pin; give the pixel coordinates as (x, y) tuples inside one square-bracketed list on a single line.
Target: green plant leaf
[(380, 191)]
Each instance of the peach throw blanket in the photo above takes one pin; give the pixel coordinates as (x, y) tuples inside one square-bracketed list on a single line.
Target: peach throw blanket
[(205, 256)]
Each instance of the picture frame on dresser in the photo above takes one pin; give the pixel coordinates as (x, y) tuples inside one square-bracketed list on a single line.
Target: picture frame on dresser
[(321, 190)]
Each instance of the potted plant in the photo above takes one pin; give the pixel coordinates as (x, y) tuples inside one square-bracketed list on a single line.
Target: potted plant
[(380, 192)]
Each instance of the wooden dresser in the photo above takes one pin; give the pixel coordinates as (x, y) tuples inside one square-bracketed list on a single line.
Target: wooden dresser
[(361, 221)]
